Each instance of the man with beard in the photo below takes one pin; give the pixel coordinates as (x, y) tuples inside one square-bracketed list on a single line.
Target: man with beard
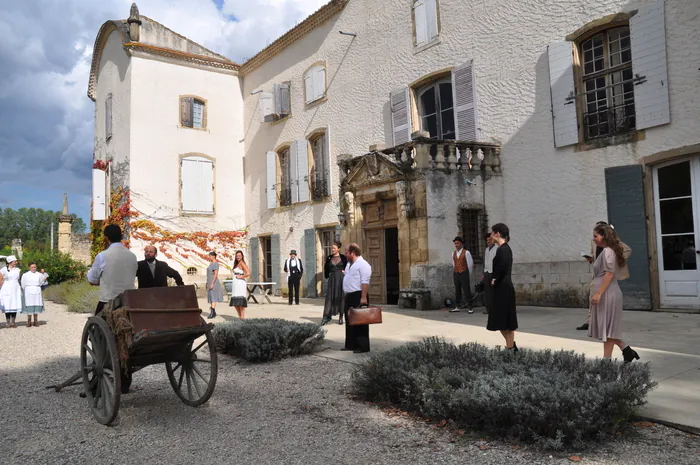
[(154, 273)]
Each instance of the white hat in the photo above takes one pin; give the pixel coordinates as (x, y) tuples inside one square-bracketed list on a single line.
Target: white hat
[(11, 259)]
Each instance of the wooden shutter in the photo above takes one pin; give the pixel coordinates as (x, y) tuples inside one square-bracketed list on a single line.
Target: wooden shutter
[(267, 107), (271, 189), (190, 184), (562, 88), (99, 195), (206, 186), (420, 22), (309, 86), (108, 117), (320, 82), (328, 167), (648, 43), (624, 189), (309, 258), (302, 170), (431, 19), (253, 254), (186, 111), (282, 100), (276, 261), (464, 94), (401, 116)]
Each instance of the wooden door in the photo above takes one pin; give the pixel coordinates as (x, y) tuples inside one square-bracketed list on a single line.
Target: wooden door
[(374, 243)]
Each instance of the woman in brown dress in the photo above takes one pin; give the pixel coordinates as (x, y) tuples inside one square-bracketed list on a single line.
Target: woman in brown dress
[(606, 302)]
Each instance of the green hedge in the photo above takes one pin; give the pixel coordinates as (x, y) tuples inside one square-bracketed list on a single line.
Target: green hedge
[(60, 266), (550, 398), (267, 339), (79, 296)]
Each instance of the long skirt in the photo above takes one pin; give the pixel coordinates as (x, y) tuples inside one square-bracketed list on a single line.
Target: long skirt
[(334, 295)]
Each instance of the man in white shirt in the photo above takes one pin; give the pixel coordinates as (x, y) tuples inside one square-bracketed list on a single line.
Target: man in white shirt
[(294, 269), (114, 269), (462, 264), (356, 289)]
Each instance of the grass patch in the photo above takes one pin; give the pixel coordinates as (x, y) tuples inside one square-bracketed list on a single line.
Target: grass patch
[(267, 339), (552, 399), (79, 296)]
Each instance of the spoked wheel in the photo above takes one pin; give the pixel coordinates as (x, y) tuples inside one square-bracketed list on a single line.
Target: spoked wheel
[(193, 375), (99, 365)]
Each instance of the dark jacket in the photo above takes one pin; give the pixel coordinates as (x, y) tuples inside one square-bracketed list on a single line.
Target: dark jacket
[(300, 267), (327, 266), (162, 273)]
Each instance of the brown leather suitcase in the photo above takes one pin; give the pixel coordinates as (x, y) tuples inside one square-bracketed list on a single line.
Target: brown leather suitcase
[(364, 316)]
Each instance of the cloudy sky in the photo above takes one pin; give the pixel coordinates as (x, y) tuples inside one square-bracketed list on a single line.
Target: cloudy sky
[(46, 118)]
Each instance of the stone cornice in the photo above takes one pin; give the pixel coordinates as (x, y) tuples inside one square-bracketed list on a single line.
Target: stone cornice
[(317, 19), (183, 56)]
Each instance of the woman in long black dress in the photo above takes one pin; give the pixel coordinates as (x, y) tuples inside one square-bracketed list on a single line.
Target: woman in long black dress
[(502, 315), (333, 272)]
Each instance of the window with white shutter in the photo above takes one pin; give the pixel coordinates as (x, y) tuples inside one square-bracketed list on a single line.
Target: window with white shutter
[(108, 117), (563, 89), (287, 176), (267, 107), (315, 83), (302, 171), (321, 181), (436, 109), (193, 112), (465, 108), (401, 116), (197, 185), (271, 185), (99, 195), (425, 22)]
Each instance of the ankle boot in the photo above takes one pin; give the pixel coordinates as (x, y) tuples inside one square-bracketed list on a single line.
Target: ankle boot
[(29, 322), (629, 354), (212, 313), (515, 347)]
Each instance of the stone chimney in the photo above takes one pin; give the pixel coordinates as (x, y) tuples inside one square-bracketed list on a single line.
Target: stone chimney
[(134, 22), (65, 234)]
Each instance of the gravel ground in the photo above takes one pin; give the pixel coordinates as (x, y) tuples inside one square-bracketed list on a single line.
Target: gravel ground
[(292, 412)]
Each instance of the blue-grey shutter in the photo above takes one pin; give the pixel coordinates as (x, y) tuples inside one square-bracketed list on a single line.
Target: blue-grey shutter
[(648, 44), (624, 189), (563, 90), (276, 263), (253, 248), (310, 262)]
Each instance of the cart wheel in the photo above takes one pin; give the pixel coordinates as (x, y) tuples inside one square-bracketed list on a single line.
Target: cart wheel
[(193, 376), (99, 365)]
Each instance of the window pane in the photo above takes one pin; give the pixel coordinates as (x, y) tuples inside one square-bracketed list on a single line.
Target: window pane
[(674, 181), (679, 253), (445, 96), (197, 112), (428, 102), (677, 216), (430, 125), (448, 124)]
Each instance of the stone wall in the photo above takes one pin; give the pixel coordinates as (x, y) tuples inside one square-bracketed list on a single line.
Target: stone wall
[(80, 248), (555, 284), (439, 279)]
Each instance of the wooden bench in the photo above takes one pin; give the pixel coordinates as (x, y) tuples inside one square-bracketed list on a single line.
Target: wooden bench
[(414, 298), (264, 287)]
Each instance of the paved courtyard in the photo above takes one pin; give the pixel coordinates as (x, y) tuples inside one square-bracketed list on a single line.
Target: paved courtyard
[(299, 411)]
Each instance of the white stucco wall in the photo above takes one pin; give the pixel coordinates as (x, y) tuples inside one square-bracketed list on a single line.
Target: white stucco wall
[(114, 76), (549, 197), (157, 141)]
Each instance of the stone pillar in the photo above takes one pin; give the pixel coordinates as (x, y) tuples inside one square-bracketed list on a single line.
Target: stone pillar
[(134, 22), (65, 234)]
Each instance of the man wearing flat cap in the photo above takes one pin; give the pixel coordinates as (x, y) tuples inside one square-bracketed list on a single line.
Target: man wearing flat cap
[(294, 270)]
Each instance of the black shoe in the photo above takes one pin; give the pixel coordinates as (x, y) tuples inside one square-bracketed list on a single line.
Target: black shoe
[(345, 349), (583, 327), (212, 314), (359, 351), (341, 322), (126, 383), (325, 321), (629, 354), (515, 347)]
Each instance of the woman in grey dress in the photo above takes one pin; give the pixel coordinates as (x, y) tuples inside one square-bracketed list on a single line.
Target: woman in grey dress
[(214, 292), (606, 302)]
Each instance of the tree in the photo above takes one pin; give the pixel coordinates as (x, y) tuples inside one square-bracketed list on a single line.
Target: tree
[(32, 226), (60, 266)]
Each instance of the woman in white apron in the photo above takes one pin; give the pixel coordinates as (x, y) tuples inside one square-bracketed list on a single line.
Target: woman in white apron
[(238, 288), (10, 292), (32, 282)]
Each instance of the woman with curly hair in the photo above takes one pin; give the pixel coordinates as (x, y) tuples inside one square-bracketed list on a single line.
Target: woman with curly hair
[(606, 302)]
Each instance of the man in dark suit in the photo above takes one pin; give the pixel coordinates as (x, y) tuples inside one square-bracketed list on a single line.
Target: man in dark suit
[(152, 273)]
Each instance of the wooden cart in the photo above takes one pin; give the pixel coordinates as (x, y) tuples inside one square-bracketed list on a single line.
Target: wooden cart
[(166, 327)]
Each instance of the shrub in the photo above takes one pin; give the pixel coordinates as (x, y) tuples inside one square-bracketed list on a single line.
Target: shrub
[(550, 398), (267, 339), (59, 292), (79, 296), (60, 266)]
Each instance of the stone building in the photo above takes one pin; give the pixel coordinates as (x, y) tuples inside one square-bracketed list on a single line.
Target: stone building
[(76, 245), (580, 115)]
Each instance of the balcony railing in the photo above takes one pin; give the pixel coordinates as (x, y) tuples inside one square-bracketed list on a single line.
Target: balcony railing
[(447, 155), (285, 195), (319, 187)]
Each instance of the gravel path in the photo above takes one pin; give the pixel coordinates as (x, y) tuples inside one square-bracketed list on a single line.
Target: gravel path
[(292, 412)]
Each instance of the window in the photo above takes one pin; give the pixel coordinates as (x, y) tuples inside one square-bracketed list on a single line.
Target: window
[(285, 190), (328, 236), (266, 245), (425, 22), (108, 117), (196, 185), (320, 182), (276, 105), (191, 271), (474, 226), (436, 108), (193, 113), (608, 83), (315, 83)]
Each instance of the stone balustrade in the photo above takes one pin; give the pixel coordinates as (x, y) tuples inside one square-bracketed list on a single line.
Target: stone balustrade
[(423, 153)]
